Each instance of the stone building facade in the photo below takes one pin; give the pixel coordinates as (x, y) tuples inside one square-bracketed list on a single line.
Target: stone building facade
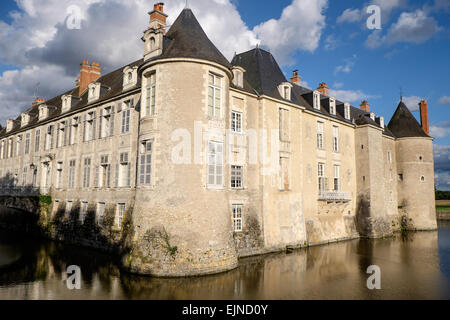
[(208, 161)]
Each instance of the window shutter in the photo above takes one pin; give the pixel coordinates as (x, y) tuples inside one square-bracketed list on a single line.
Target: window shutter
[(84, 128), (57, 134), (69, 128), (129, 174), (96, 177), (94, 118), (51, 137), (100, 120), (111, 124), (66, 132)]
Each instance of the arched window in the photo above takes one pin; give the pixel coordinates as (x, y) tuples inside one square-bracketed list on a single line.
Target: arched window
[(152, 44)]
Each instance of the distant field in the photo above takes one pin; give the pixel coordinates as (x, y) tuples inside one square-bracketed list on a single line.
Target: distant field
[(443, 205)]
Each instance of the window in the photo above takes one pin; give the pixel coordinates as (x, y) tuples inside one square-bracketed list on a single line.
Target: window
[(83, 211), (87, 173), (49, 138), (89, 129), (347, 111), (61, 134), (24, 176), (237, 217), (238, 78), (37, 140), (2, 149), (316, 100), (100, 213), (286, 92), (321, 175), (106, 123), (74, 130), (126, 113), (104, 178), (333, 106), (123, 171), (10, 148), (215, 164), (336, 177), (120, 214), (146, 163), (59, 168), (389, 157), (236, 122), (320, 135), (72, 174), (283, 115), (214, 95), (69, 205), (400, 177), (150, 102), (422, 178), (19, 144), (27, 143), (335, 139), (236, 177)]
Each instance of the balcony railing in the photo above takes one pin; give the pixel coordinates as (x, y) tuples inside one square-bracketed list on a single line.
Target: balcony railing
[(334, 196)]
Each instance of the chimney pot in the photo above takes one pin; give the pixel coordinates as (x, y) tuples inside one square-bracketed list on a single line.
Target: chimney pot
[(88, 74), (365, 106), (296, 79), (323, 89), (424, 116)]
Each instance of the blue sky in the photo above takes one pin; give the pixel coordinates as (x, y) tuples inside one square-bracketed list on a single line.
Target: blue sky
[(330, 43)]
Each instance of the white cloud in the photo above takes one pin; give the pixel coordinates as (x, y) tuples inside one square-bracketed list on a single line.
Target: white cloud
[(350, 95), (440, 130), (411, 27), (350, 15), (331, 43), (38, 40), (444, 100), (302, 17), (338, 85), (347, 67), (412, 102)]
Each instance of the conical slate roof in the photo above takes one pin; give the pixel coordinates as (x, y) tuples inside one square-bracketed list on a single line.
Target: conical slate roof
[(186, 39), (403, 124), (261, 70)]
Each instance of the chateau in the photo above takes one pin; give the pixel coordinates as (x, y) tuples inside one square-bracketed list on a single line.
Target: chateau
[(209, 160)]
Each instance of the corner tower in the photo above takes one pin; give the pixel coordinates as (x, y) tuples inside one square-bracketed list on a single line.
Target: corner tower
[(182, 218), (415, 167)]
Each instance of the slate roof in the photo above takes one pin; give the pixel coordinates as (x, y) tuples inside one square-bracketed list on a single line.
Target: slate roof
[(403, 124), (186, 39)]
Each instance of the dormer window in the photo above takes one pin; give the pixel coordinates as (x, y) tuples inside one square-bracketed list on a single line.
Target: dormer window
[(372, 116), (347, 111), (9, 125), (316, 100), (43, 112), (382, 122), (238, 77), (285, 90), (332, 106), (66, 102), (129, 77), (25, 119), (94, 91)]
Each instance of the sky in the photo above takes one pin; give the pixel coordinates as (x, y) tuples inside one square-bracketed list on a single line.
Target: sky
[(326, 40)]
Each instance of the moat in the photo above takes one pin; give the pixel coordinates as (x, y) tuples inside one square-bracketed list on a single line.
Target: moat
[(413, 266)]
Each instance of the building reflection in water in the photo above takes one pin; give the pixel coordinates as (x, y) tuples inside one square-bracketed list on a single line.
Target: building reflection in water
[(411, 268)]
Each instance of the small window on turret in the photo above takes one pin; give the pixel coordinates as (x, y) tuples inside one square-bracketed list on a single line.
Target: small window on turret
[(400, 177), (422, 178), (420, 158)]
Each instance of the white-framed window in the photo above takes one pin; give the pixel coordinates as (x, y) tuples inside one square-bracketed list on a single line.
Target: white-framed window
[(74, 130), (238, 79), (214, 95), (83, 210), (104, 174), (72, 169), (126, 115), (333, 106), (316, 100), (146, 163), (24, 176), (37, 140), (150, 95), (87, 173), (18, 145), (120, 213), (68, 210), (236, 121), (106, 122), (123, 171), (61, 134), (89, 131), (237, 217), (100, 213), (215, 164), (59, 169), (10, 147), (236, 177), (347, 111), (335, 139), (320, 135), (27, 143), (336, 181), (321, 176)]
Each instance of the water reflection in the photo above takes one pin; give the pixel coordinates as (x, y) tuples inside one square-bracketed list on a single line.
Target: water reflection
[(413, 266)]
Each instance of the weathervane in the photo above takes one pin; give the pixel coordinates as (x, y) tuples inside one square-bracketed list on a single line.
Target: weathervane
[(401, 94), (187, 4)]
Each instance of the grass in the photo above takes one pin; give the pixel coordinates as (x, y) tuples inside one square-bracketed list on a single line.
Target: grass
[(443, 208)]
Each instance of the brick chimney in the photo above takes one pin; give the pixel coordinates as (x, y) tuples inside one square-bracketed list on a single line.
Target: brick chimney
[(157, 16), (88, 74), (323, 89), (365, 106), (37, 101), (424, 116), (295, 79)]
